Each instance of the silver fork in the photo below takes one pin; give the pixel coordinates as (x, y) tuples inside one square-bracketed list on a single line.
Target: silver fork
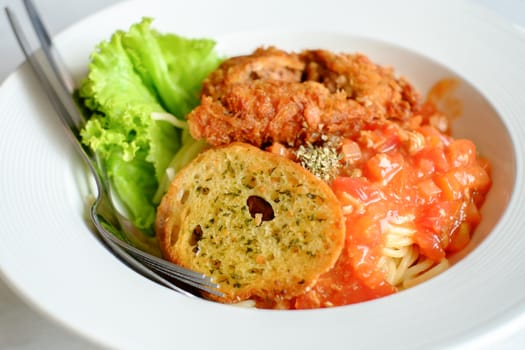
[(108, 222)]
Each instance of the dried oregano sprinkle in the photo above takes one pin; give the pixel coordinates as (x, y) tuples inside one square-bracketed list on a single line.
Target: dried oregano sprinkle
[(322, 161)]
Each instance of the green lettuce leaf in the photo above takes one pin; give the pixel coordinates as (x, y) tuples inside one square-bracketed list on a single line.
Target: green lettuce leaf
[(133, 76)]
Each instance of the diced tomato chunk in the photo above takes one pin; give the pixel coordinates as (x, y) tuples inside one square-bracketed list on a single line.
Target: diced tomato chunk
[(451, 187), (434, 138), (477, 178), (359, 188), (390, 143), (461, 153), (430, 244), (470, 213), (433, 155), (434, 223), (457, 182), (384, 166), (460, 238), (428, 189), (351, 151)]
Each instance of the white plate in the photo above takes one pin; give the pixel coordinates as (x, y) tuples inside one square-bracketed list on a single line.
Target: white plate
[(49, 255)]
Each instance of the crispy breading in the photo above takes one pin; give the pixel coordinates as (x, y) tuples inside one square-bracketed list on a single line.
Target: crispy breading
[(263, 64), (367, 83), (293, 98), (264, 112)]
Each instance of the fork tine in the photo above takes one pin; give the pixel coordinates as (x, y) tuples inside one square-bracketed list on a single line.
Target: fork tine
[(24, 44), (202, 284), (144, 270), (27, 50), (174, 269), (46, 43), (37, 22), (166, 268), (163, 265), (64, 78), (19, 34)]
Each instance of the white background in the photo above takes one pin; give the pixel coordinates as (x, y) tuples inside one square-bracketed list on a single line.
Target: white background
[(20, 326)]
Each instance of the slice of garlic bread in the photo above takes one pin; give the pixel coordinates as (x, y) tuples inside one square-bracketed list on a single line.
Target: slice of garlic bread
[(259, 224)]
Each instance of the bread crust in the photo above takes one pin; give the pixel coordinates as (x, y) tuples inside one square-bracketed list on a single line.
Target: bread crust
[(259, 224)]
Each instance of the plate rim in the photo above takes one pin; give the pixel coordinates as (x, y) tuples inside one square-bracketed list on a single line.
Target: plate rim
[(116, 8)]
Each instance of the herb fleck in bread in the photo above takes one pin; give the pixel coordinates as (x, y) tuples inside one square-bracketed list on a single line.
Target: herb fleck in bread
[(259, 224)]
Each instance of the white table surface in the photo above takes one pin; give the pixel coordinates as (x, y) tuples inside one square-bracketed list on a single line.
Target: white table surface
[(23, 328)]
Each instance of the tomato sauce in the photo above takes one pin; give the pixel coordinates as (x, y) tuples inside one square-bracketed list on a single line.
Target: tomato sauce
[(414, 176)]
